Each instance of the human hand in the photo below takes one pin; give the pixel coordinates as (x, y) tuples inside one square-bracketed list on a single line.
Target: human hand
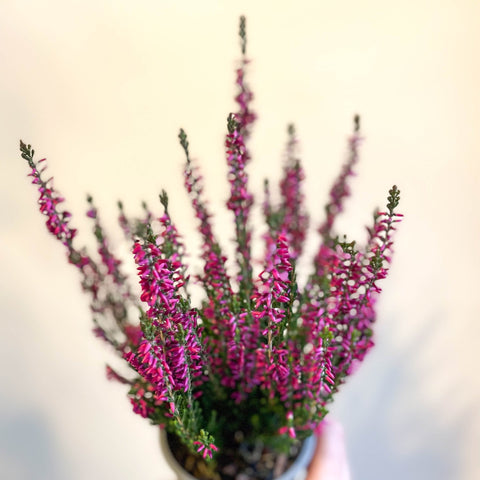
[(329, 461)]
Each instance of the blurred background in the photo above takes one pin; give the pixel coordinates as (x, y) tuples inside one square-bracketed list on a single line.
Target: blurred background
[(102, 88)]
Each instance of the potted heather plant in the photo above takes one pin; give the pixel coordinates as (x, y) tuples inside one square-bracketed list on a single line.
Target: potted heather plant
[(242, 380)]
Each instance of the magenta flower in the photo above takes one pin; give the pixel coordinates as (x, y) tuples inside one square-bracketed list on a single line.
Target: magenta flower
[(206, 451)]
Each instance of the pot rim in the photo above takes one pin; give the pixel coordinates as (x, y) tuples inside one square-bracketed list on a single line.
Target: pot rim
[(301, 461)]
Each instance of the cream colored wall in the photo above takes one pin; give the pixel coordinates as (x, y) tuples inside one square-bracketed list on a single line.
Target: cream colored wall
[(101, 88)]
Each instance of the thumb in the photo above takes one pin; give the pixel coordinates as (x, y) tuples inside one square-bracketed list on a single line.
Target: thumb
[(329, 461)]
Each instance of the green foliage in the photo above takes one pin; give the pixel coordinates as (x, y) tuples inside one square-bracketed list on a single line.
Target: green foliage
[(393, 199)]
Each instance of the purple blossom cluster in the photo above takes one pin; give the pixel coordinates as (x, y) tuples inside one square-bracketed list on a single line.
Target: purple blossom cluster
[(259, 341)]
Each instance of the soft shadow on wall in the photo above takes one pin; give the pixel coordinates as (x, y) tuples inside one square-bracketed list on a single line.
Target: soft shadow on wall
[(28, 449), (389, 432)]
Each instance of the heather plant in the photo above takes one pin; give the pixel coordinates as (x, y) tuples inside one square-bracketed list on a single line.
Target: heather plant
[(262, 356)]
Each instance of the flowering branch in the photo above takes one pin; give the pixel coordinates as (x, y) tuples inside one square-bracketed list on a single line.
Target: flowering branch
[(107, 302), (341, 189), (239, 203)]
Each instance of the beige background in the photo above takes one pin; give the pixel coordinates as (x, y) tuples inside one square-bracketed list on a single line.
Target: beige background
[(102, 87)]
